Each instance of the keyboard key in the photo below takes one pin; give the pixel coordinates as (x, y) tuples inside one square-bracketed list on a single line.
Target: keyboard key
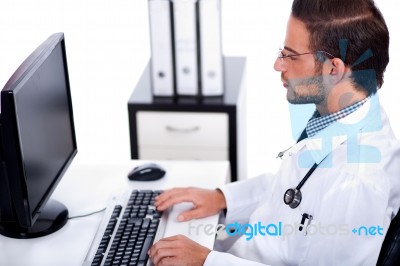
[(143, 254), (146, 223)]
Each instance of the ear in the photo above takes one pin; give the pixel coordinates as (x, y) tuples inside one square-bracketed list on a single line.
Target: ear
[(337, 69)]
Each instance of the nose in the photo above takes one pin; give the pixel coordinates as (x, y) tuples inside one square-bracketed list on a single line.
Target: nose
[(278, 66)]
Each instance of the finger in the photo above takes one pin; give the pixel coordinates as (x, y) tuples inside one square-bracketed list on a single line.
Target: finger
[(171, 191), (167, 242), (191, 214), (175, 199), (170, 247), (169, 261), (167, 194), (157, 256)]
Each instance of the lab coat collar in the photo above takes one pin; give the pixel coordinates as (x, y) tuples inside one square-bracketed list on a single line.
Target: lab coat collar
[(365, 119)]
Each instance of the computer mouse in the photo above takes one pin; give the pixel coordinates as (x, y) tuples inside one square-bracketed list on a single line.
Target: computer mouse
[(146, 172)]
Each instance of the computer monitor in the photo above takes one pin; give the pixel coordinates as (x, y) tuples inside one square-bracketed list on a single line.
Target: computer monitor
[(38, 142)]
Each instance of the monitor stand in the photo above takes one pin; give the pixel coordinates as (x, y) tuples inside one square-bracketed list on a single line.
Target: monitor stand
[(52, 218)]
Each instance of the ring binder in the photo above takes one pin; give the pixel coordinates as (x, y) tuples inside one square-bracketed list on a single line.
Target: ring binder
[(162, 60), (211, 48), (185, 40)]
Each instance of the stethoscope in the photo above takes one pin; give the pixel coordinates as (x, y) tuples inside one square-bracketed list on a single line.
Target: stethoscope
[(292, 196)]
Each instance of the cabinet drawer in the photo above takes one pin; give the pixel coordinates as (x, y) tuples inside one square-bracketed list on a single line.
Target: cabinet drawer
[(183, 154), (178, 129)]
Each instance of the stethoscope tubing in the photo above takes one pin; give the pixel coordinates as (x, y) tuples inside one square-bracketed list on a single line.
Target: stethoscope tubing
[(312, 169)]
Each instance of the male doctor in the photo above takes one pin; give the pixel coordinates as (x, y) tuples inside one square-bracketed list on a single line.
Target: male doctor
[(338, 188)]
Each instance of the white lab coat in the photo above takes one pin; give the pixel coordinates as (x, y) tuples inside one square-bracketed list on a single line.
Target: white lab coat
[(342, 194)]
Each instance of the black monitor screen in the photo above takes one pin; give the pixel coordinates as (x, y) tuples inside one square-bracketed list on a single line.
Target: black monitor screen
[(44, 126), (38, 139)]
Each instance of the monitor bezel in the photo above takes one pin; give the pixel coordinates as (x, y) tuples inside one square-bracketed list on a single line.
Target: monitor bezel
[(24, 215)]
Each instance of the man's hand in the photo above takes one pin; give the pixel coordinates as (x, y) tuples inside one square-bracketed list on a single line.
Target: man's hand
[(178, 250), (206, 201)]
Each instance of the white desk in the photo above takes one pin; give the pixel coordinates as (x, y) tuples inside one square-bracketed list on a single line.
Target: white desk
[(87, 188)]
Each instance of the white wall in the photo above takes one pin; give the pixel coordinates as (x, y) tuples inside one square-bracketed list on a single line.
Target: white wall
[(108, 48)]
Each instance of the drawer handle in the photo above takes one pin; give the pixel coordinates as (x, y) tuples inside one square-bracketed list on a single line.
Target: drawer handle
[(182, 130)]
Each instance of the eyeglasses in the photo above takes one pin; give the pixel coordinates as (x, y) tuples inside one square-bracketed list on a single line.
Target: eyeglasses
[(282, 56)]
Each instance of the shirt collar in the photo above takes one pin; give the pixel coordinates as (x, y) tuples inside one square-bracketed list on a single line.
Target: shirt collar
[(326, 140), (317, 122)]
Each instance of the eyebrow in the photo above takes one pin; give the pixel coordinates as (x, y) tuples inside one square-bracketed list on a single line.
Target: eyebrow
[(290, 49)]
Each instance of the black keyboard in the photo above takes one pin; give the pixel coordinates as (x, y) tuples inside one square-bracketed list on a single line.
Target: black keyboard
[(130, 231)]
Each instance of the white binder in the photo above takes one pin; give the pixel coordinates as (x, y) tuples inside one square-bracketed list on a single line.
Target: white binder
[(212, 74), (162, 68), (185, 40)]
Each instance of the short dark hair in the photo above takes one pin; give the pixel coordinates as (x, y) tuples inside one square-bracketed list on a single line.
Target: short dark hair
[(353, 30)]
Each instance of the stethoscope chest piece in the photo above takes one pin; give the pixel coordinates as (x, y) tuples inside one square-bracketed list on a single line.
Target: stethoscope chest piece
[(292, 197)]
